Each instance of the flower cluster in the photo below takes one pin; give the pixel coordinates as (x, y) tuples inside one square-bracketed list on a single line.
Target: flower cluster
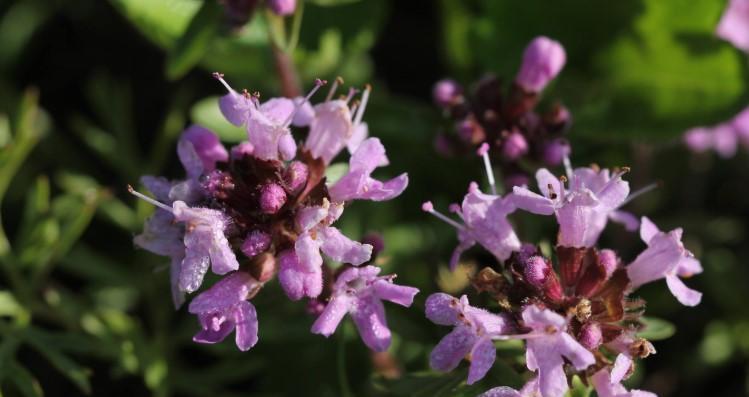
[(725, 137), (264, 210), (507, 122), (574, 309)]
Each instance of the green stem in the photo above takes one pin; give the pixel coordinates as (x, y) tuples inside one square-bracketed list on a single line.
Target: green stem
[(296, 27)]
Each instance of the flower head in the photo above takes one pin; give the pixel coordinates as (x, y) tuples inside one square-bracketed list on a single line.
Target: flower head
[(360, 292), (471, 336)]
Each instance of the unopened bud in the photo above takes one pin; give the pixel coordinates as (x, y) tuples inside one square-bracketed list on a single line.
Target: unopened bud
[(591, 336), (263, 267), (555, 151), (256, 242), (295, 177), (282, 7), (543, 59), (536, 271), (445, 92), (514, 146), (272, 198)]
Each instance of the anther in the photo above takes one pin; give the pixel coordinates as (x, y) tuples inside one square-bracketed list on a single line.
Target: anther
[(363, 105)]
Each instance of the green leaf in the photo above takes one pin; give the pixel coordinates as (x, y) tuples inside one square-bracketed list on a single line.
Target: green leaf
[(26, 384), (422, 384), (335, 171), (75, 373), (161, 21), (579, 389), (656, 329), (192, 45), (9, 306), (207, 113)]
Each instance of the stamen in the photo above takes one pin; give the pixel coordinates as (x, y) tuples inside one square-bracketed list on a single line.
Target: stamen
[(354, 106), (455, 209), (484, 152), (363, 105), (297, 106), (568, 167), (351, 92), (338, 81), (429, 207), (220, 77), (148, 199), (647, 189)]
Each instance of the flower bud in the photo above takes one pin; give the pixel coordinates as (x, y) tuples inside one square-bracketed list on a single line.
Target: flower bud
[(514, 146), (555, 151), (445, 92), (471, 131), (272, 198), (282, 7), (263, 267), (543, 59), (725, 140), (536, 270), (295, 177), (255, 243), (698, 139), (558, 119), (608, 260), (591, 336)]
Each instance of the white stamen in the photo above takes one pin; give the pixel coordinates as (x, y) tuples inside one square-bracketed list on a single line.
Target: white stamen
[(484, 153), (338, 81), (351, 92), (298, 106), (363, 104), (639, 193), (220, 77), (428, 207), (148, 199), (568, 168)]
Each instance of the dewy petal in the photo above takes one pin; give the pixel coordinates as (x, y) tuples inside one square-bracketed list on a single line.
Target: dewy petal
[(178, 296), (342, 249), (308, 251), (734, 24), (399, 294), (245, 318), (206, 145), (627, 219), (209, 335), (309, 217), (502, 391), (329, 130), (483, 355), (161, 235), (192, 271), (531, 202), (442, 309), (659, 259), (452, 348), (332, 315), (368, 314), (685, 295), (225, 293), (296, 280)]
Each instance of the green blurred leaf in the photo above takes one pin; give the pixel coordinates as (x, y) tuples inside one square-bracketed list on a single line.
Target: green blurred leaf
[(77, 374), (26, 384), (9, 306), (192, 45), (162, 21), (422, 384), (656, 329), (331, 3), (207, 113), (579, 389), (335, 171)]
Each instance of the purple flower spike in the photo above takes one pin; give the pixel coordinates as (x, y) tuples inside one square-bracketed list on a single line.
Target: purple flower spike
[(529, 390), (582, 212), (734, 24), (360, 292), (666, 258), (204, 243), (543, 59), (472, 334), (607, 385), (206, 145), (223, 308), (445, 92), (357, 184), (547, 348), (282, 7)]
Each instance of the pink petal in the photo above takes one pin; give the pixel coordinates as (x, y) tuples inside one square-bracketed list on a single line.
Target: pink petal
[(685, 295), (627, 219), (245, 318), (482, 359), (452, 348), (387, 290), (308, 252), (368, 314), (734, 24), (531, 202), (442, 309), (332, 315), (342, 249)]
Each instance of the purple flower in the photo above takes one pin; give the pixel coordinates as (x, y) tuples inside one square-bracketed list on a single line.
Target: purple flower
[(445, 92), (547, 348), (609, 385), (206, 146), (583, 210), (360, 292), (471, 336), (514, 146), (485, 222), (282, 7), (358, 184), (267, 124), (734, 24), (724, 138), (301, 274), (665, 257), (543, 59), (529, 390), (224, 308)]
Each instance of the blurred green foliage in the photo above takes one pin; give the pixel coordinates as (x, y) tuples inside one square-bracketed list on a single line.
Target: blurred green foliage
[(83, 312)]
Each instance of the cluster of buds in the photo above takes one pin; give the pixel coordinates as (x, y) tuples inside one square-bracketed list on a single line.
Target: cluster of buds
[(264, 210), (725, 137), (574, 310), (515, 133)]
